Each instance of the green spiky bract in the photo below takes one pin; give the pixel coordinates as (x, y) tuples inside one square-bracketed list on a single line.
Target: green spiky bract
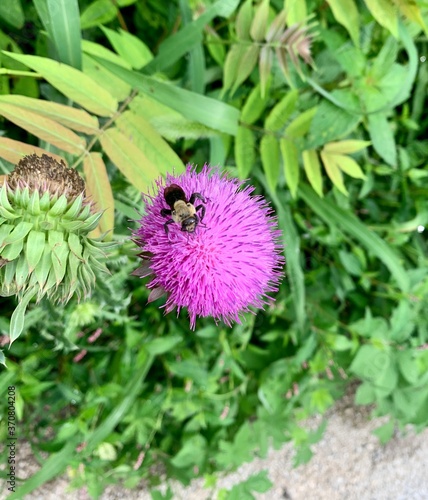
[(45, 250)]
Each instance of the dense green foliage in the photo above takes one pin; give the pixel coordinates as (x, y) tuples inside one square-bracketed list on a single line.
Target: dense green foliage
[(326, 118)]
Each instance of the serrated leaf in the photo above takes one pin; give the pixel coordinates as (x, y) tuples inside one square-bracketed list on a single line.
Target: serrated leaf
[(130, 48), (382, 138), (333, 171), (76, 119), (312, 168), (72, 83), (98, 188), (245, 154), (44, 128), (281, 112), (193, 452), (346, 13), (259, 24), (269, 152), (13, 151), (290, 161), (129, 159), (243, 20)]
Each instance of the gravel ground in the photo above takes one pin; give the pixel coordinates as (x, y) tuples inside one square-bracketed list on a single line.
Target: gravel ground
[(349, 463)]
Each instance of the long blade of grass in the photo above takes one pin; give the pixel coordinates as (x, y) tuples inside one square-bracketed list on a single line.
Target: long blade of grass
[(61, 20), (54, 466), (131, 391), (350, 224), (210, 112), (293, 266)]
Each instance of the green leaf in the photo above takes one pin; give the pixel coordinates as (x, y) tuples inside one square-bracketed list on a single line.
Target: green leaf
[(408, 366), (116, 87), (312, 168), (330, 123), (193, 452), (155, 149), (243, 491), (269, 152), (290, 162), (259, 24), (61, 20), (245, 151), (296, 11), (385, 432), (72, 83), (402, 322), (346, 13), (12, 13), (96, 49), (99, 190), (162, 345), (254, 106), (98, 12), (18, 315), (301, 124), (215, 114), (130, 48), (44, 128), (333, 171), (34, 248), (243, 20), (382, 138), (345, 147), (385, 14), (177, 45), (365, 394), (129, 159), (350, 224), (76, 119), (348, 165), (281, 112)]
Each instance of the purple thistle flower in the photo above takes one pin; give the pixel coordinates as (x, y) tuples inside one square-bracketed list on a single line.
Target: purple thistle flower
[(228, 264)]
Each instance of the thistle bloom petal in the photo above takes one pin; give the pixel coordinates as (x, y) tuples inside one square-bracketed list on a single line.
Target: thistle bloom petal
[(228, 265)]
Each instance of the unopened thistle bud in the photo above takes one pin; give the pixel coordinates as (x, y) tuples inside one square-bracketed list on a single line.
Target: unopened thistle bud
[(45, 249)]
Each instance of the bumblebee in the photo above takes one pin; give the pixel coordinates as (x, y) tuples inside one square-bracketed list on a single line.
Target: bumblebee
[(182, 211)]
